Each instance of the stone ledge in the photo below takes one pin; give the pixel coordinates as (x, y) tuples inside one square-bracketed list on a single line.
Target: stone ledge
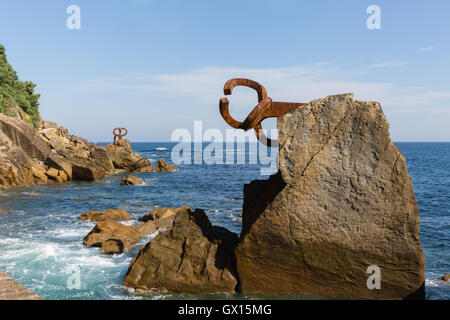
[(10, 289)]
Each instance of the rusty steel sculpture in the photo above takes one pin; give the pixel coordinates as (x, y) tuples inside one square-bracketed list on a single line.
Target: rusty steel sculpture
[(266, 108), (118, 134)]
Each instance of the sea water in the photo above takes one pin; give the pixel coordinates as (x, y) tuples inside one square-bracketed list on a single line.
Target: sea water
[(41, 235)]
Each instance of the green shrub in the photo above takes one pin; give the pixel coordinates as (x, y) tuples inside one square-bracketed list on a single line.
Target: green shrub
[(22, 92)]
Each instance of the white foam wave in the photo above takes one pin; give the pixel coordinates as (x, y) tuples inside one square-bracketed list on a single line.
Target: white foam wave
[(235, 218), (436, 283)]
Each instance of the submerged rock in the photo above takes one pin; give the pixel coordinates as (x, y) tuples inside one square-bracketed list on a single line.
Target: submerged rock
[(193, 257), (101, 215), (342, 201), (131, 181), (163, 166)]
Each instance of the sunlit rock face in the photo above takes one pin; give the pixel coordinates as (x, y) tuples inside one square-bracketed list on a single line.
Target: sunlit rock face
[(341, 202)]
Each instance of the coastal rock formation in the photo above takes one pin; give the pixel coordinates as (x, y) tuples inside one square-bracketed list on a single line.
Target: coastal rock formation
[(122, 157), (341, 202), (446, 277), (115, 246), (192, 257), (163, 217), (50, 154), (112, 236), (21, 153), (163, 166), (131, 180), (101, 215), (108, 229)]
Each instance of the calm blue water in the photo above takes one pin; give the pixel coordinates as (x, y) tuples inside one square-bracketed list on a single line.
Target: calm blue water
[(41, 236)]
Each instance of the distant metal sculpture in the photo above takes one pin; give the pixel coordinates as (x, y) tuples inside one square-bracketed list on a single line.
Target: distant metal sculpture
[(118, 134), (266, 108)]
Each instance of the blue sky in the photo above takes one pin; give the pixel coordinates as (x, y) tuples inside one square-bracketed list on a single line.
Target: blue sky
[(157, 65)]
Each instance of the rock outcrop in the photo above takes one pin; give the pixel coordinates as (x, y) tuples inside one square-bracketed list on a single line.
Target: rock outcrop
[(192, 257), (163, 166), (131, 180), (50, 154), (114, 237), (102, 215), (342, 201), (446, 277), (163, 217), (112, 246)]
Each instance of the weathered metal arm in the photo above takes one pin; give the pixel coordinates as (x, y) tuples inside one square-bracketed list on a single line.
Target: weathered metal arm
[(266, 108)]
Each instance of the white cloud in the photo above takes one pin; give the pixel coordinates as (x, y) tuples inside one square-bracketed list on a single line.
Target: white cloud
[(299, 84), (390, 64), (425, 49)]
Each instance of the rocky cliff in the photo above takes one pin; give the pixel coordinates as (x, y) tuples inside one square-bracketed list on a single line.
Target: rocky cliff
[(29, 156), (342, 201)]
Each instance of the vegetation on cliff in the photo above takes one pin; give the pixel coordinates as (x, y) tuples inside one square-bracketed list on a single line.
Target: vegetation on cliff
[(16, 95)]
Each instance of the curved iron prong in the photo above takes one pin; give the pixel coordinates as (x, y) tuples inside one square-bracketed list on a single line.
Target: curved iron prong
[(266, 108), (223, 106), (257, 115), (233, 83)]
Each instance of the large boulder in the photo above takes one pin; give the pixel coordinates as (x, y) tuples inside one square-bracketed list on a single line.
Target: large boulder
[(123, 157), (100, 157), (115, 246), (163, 217), (193, 257), (114, 237), (57, 161), (86, 170), (341, 202), (16, 169), (163, 166), (131, 180), (24, 136), (108, 229)]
